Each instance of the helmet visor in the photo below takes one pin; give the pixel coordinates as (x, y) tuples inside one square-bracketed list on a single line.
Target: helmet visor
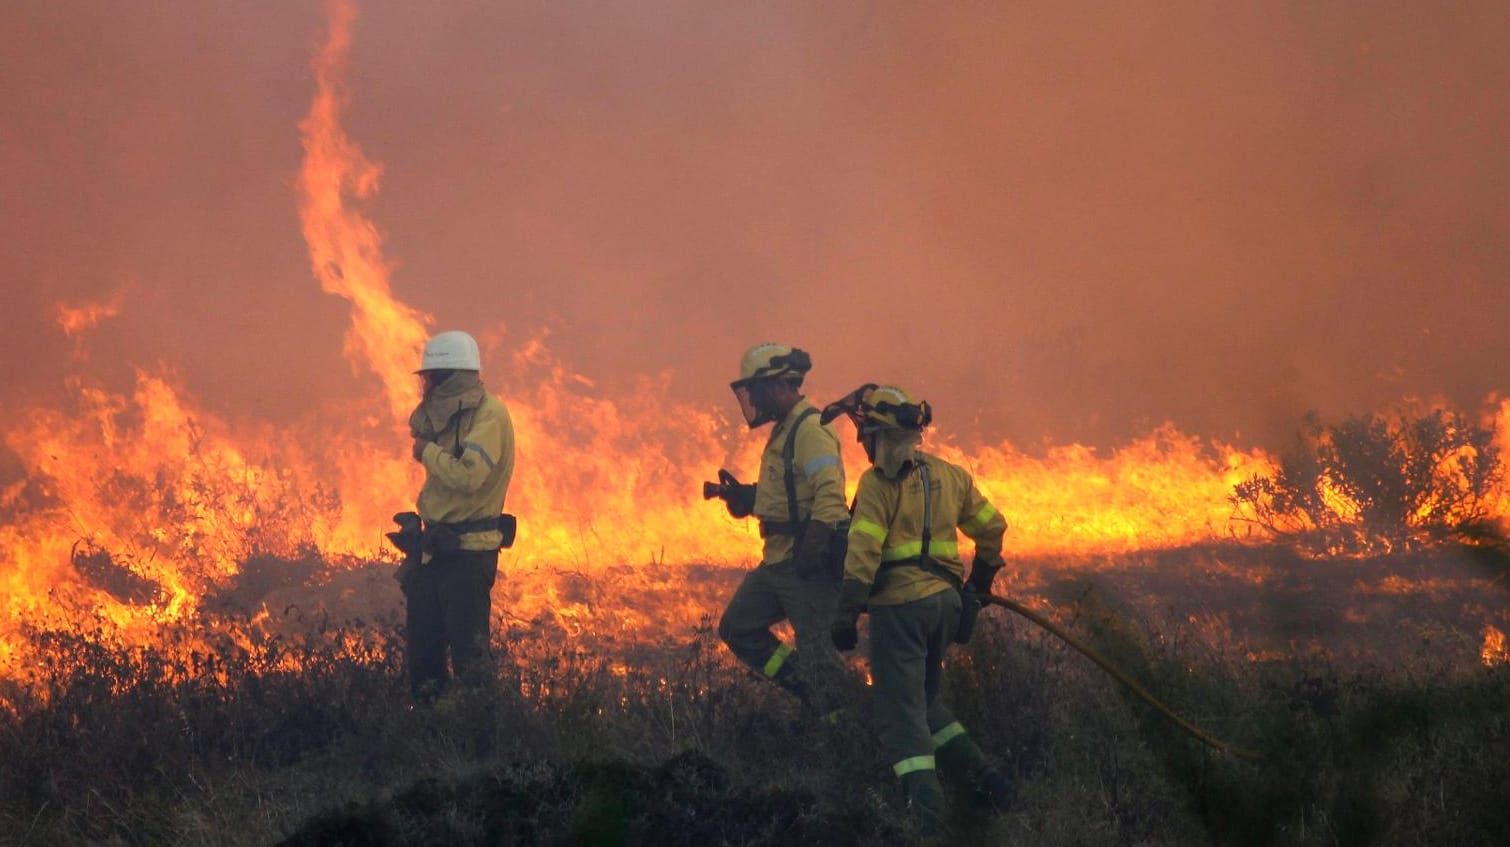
[(746, 403)]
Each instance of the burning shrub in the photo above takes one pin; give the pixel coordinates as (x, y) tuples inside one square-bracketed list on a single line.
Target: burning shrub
[(100, 569), (1374, 485)]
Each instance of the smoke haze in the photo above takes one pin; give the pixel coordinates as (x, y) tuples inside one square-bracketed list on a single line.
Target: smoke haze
[(1057, 222)]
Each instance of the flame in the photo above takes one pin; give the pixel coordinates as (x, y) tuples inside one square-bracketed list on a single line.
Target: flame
[(1494, 652), (77, 318), (345, 248), (1164, 490), (1499, 418), (131, 507)]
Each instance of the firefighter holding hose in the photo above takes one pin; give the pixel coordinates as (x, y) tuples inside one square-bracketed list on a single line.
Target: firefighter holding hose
[(903, 565)]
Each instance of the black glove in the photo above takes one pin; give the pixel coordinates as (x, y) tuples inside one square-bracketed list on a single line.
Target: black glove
[(982, 572), (845, 629), (407, 539), (738, 496), (810, 557)]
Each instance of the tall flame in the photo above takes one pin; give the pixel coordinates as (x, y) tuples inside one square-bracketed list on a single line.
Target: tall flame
[(344, 246)]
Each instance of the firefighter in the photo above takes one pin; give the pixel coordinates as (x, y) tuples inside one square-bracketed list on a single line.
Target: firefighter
[(903, 565), (465, 439), (799, 500)]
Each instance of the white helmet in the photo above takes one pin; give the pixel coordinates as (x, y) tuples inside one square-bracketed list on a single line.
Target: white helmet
[(451, 351)]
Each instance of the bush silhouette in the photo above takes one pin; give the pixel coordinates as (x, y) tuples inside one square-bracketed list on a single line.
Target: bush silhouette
[(1374, 485)]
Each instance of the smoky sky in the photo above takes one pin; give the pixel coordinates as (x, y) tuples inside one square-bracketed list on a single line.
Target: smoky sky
[(1056, 221)]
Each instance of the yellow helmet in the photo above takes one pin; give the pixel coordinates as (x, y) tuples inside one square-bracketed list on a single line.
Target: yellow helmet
[(772, 360), (888, 406)]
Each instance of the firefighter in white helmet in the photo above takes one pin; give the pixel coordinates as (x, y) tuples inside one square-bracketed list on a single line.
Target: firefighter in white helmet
[(903, 564), (799, 500), (465, 439)]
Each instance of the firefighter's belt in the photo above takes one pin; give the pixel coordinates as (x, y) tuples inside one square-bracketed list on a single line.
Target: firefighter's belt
[(926, 564), (463, 527), (504, 523), (770, 528)]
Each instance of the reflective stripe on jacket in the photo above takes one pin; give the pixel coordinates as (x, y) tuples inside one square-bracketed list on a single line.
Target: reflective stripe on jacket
[(473, 484), (887, 527), (817, 471)]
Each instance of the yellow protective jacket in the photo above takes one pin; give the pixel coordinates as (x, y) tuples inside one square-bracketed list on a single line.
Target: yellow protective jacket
[(887, 530), (467, 470), (817, 472)]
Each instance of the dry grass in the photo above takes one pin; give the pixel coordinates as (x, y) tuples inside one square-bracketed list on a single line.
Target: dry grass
[(1368, 740)]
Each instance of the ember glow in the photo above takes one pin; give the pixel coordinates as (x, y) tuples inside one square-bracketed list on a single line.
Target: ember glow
[(125, 508)]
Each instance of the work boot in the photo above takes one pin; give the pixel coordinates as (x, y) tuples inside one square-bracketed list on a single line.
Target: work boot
[(790, 678), (963, 760), (926, 804), (993, 789)]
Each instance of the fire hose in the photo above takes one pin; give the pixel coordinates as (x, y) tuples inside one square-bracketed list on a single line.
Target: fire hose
[(1117, 673)]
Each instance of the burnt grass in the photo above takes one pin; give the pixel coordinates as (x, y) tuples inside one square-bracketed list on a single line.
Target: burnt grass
[(1358, 684)]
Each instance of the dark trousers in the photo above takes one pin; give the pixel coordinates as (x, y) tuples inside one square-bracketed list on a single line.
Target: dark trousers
[(907, 644), (448, 602), (768, 595)]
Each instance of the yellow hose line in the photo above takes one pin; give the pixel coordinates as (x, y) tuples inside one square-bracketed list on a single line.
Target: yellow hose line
[(1121, 677)]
